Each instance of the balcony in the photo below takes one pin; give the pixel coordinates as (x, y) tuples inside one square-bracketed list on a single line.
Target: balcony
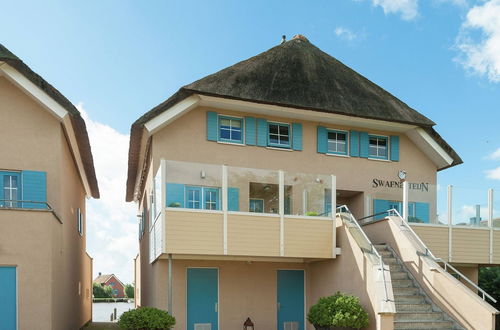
[(238, 212)]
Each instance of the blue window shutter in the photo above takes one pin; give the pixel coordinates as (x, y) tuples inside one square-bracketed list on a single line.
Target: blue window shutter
[(233, 199), (250, 131), (297, 136), (380, 205), (364, 144), (395, 148), (354, 144), (422, 211), (261, 132), (322, 140), (175, 194), (212, 126), (34, 186)]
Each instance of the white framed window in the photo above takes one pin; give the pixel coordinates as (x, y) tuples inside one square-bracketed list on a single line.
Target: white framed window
[(337, 142), (230, 129), (379, 147), (278, 135)]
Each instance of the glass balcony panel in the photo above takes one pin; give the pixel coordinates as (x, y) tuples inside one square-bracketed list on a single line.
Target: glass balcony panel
[(427, 203), (194, 185), (308, 194), (496, 210), (470, 207), (253, 190)]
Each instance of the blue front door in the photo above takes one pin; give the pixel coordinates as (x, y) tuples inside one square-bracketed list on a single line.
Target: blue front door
[(8, 298), (202, 298), (291, 299)]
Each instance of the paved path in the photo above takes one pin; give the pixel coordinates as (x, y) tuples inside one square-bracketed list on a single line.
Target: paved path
[(101, 326)]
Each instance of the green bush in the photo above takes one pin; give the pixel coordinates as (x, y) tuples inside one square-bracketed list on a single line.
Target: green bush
[(312, 214), (339, 310), (146, 318)]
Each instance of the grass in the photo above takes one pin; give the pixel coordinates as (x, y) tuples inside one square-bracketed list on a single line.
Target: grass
[(101, 326)]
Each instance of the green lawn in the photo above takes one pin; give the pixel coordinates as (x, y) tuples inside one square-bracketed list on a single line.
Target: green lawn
[(101, 326)]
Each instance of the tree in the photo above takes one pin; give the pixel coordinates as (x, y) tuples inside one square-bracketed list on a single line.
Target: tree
[(129, 290), (98, 291), (108, 290), (489, 281)]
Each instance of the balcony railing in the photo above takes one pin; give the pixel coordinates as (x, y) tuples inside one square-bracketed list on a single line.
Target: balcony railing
[(9, 204), (226, 210)]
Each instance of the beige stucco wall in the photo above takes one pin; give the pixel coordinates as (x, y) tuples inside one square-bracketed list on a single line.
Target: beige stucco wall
[(37, 142), (185, 140)]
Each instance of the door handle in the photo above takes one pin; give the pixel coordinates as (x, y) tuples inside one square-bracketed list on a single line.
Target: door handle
[(216, 307)]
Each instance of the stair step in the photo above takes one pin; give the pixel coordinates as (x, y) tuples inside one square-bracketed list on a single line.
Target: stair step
[(395, 268), (390, 260), (385, 253), (405, 291), (380, 247), (423, 325), (409, 299), (409, 307), (404, 283), (418, 316), (399, 276)]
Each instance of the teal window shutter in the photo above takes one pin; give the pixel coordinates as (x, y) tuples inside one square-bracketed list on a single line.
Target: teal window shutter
[(364, 144), (34, 185), (250, 131), (297, 136), (422, 212), (322, 140), (212, 128), (261, 132), (380, 205), (354, 144), (395, 148), (175, 195), (233, 199)]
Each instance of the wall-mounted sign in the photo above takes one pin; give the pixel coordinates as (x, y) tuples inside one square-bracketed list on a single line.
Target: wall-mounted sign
[(378, 183)]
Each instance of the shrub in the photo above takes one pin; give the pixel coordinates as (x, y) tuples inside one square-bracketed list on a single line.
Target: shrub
[(312, 214), (339, 310), (146, 318)]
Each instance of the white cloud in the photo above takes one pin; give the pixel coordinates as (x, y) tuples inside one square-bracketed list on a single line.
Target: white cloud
[(493, 174), (458, 3), (479, 41), (111, 222), (345, 33), (408, 9), (495, 154)]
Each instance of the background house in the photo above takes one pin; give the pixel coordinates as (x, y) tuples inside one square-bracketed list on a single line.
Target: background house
[(112, 281)]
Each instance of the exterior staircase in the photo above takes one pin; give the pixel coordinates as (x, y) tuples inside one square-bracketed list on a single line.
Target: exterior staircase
[(414, 309)]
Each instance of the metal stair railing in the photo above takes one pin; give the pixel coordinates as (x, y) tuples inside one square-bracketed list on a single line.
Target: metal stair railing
[(427, 253), (363, 242)]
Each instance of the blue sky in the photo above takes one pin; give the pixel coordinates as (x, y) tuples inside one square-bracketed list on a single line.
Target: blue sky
[(118, 59)]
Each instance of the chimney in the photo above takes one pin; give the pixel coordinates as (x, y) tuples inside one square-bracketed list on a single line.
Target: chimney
[(283, 39), (99, 273)]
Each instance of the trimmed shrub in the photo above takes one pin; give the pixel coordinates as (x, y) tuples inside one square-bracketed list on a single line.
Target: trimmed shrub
[(339, 310), (146, 318)]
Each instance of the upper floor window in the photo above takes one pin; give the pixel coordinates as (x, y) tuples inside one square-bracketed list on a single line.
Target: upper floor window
[(279, 135), (337, 142), (256, 205), (11, 190), (230, 129), (378, 147)]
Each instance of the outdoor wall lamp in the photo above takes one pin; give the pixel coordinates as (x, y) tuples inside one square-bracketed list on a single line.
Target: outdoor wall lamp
[(203, 174), (248, 325)]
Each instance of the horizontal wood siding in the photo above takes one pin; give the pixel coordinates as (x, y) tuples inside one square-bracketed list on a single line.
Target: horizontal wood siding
[(436, 239), (308, 238), (194, 233), (496, 246), (253, 235), (470, 245)]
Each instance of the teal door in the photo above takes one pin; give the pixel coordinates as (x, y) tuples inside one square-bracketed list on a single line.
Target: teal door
[(8, 298), (290, 299), (203, 298)]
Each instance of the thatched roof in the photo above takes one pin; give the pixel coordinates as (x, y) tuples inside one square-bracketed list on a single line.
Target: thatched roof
[(76, 119), (293, 74)]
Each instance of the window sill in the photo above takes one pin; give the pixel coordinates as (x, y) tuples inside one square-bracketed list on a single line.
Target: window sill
[(379, 159), (337, 155), (232, 143), (278, 148)]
